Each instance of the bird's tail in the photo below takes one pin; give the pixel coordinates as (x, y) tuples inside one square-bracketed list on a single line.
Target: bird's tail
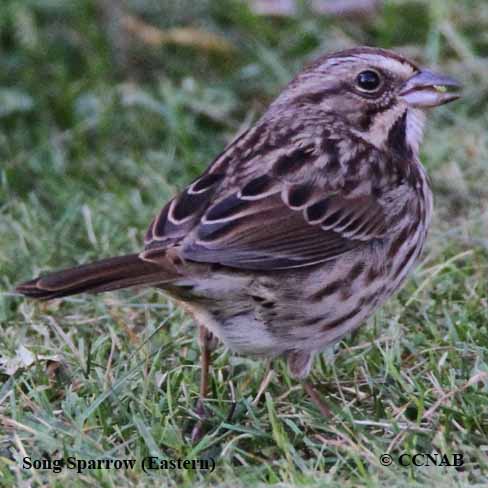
[(105, 275)]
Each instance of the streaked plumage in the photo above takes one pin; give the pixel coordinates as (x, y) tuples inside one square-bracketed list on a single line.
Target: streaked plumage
[(305, 224)]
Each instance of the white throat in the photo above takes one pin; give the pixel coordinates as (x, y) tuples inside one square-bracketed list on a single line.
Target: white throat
[(377, 134), (415, 128)]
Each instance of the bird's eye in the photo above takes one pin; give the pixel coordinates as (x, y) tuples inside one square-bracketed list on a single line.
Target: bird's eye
[(368, 81)]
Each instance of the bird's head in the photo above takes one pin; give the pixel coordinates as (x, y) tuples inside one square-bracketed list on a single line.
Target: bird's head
[(378, 94)]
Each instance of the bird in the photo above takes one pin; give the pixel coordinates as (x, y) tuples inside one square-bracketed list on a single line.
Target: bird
[(303, 226)]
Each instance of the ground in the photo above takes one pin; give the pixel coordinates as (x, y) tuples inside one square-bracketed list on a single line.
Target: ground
[(98, 128)]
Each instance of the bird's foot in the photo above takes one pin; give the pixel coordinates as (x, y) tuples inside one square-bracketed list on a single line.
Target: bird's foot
[(198, 429), (316, 400)]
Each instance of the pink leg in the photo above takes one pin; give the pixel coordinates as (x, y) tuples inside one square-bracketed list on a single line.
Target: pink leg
[(206, 345), (316, 400)]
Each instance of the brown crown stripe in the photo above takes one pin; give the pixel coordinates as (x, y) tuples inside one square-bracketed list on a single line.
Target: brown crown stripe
[(357, 52)]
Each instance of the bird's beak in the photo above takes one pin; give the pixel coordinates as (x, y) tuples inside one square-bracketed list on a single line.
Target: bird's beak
[(428, 89)]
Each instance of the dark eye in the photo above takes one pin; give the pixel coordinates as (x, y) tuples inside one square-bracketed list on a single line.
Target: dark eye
[(368, 81)]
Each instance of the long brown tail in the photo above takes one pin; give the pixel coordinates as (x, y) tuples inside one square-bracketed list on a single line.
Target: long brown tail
[(105, 275)]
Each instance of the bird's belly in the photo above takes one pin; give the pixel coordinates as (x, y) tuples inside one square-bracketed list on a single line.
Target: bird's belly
[(224, 304), (243, 333), (301, 309)]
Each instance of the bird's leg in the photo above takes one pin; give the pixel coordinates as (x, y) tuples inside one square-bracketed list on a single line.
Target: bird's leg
[(299, 365), (316, 400), (207, 345)]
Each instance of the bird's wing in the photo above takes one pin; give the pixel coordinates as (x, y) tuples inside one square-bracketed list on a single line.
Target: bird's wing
[(265, 221)]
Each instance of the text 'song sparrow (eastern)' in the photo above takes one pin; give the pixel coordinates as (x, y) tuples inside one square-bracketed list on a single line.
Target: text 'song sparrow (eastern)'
[(304, 225)]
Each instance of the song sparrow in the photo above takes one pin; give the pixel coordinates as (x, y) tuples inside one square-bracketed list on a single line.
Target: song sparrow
[(304, 225)]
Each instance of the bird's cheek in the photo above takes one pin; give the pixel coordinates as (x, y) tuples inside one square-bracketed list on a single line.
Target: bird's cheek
[(352, 109), (345, 103)]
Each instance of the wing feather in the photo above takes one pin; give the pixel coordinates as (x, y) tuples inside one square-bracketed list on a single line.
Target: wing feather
[(268, 234), (264, 220)]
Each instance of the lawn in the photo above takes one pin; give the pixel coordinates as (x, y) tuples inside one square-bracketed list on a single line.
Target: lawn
[(105, 112)]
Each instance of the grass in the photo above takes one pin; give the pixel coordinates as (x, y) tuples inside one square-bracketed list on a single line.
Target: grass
[(95, 138)]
